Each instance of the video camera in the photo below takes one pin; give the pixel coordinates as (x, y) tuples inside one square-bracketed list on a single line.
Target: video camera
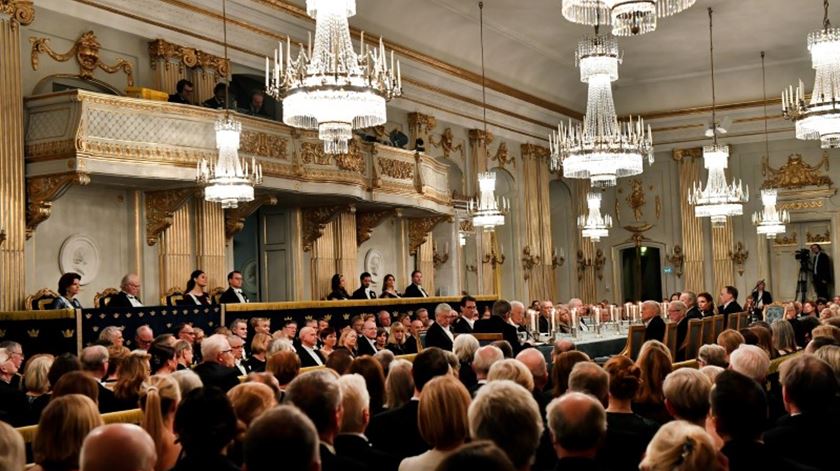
[(804, 257)]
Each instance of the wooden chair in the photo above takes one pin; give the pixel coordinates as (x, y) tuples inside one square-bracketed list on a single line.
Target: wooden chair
[(635, 339), (172, 297), (102, 299), (720, 324), (486, 339), (708, 335), (41, 300), (773, 312), (670, 339), (693, 338)]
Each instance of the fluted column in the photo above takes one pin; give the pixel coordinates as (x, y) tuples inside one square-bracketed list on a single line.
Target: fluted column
[(586, 249), (425, 263), (210, 242), (688, 161), (536, 177), (167, 65), (322, 264), (723, 268), (204, 80), (176, 257), (420, 126), (13, 15), (346, 249)]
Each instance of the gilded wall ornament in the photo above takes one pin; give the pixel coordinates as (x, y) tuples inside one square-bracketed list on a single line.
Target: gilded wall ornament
[(796, 173), (582, 264), (353, 160), (188, 57), (439, 258), (419, 229), (677, 260), (399, 169), (21, 12), (636, 199), (313, 153), (687, 154), (79, 253), (599, 262), (368, 220), (739, 257), (799, 205), (785, 239), (533, 151), (529, 261), (446, 143), (315, 220), (818, 238), (42, 191), (161, 206), (235, 217), (421, 124), (263, 144), (86, 51), (503, 156)]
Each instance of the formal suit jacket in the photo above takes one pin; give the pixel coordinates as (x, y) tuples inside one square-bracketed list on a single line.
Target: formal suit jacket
[(411, 345), (461, 326), (359, 449), (336, 462), (694, 313), (306, 359), (396, 431), (414, 291), (220, 376), (63, 303), (338, 295), (120, 300), (362, 293), (543, 324), (230, 297), (655, 329), (496, 324), (822, 268), (397, 349), (175, 98), (364, 347), (766, 298), (732, 308), (436, 337), (807, 439)]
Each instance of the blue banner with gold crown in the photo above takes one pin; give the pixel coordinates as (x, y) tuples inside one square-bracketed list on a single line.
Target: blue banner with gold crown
[(161, 319), (41, 331)]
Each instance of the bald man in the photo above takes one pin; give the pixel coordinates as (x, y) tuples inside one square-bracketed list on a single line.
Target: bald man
[(118, 447), (308, 354), (578, 425)]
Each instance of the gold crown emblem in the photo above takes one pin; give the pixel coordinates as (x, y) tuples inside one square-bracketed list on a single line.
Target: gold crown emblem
[(345, 316), (2, 333), (309, 317), (33, 332), (327, 317), (288, 318), (68, 333)]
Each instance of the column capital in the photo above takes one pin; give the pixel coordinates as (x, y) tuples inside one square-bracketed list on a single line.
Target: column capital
[(20, 12)]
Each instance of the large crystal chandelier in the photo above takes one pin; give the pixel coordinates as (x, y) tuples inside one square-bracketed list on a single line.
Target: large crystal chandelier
[(602, 148), (628, 17), (718, 200), (330, 87), (229, 180), (488, 211), (819, 117), (593, 225)]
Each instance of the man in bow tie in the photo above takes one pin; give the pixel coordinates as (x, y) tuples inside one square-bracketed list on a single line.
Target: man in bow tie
[(415, 289), (364, 292), (234, 294), (128, 296)]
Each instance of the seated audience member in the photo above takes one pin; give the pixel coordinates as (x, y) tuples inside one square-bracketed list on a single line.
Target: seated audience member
[(730, 339), (349, 341), (234, 293), (652, 318), (578, 425), (389, 287), (317, 394), (439, 334), (338, 288), (729, 303), (15, 352), (826, 330), (68, 287), (260, 325), (562, 367), (684, 446), (711, 354), (678, 313), (784, 338), (415, 289), (655, 363), (12, 399), (76, 382), (217, 101), (267, 379), (166, 340), (428, 364), (628, 433), (256, 105), (205, 424), (282, 428), (506, 414), (397, 340), (385, 358), (504, 346), (750, 337), (481, 454), (12, 449), (371, 371), (818, 342), (183, 93), (183, 355), (589, 378), (134, 371), (340, 360), (752, 361), (765, 338), (422, 315), (499, 322), (195, 294), (366, 344), (687, 395), (65, 423), (712, 372), (285, 366), (162, 360), (829, 354), (483, 360), (399, 385), (118, 447), (351, 441), (187, 381), (36, 386), (706, 304), (442, 420), (158, 400), (112, 336), (534, 360), (217, 369), (329, 340), (259, 349), (381, 339), (807, 435), (94, 362), (364, 291), (129, 293), (512, 370), (249, 400), (309, 355), (466, 319), (64, 363), (383, 320)]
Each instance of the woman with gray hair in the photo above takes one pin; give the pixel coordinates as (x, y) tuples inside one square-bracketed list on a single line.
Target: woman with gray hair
[(464, 348), (784, 338)]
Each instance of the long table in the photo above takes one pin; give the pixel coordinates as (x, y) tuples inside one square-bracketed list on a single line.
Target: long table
[(595, 347)]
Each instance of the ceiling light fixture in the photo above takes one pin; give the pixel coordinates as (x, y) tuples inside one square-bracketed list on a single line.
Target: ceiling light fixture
[(229, 181), (593, 225), (718, 200), (819, 117), (331, 88), (627, 17)]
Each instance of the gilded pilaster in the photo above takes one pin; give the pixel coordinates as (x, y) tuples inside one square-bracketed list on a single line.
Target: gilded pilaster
[(425, 263), (536, 177), (204, 80), (723, 268), (345, 244), (322, 264), (13, 14), (586, 249), (210, 242), (688, 162), (420, 126), (176, 256), (167, 65)]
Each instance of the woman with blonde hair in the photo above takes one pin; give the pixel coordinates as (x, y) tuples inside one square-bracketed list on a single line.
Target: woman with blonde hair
[(249, 400), (441, 420), (683, 446), (655, 364), (399, 385), (396, 339), (65, 423), (158, 400), (259, 350), (349, 340), (133, 373), (36, 384), (513, 370), (784, 338)]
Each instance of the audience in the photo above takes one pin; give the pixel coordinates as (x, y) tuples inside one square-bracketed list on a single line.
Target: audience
[(36, 386), (481, 454), (12, 450), (483, 360), (118, 447), (683, 446), (371, 371), (464, 348), (655, 364), (205, 424), (589, 378), (578, 425), (159, 400), (351, 441), (65, 423), (399, 384), (687, 395), (279, 429), (562, 367), (711, 354), (730, 340), (133, 372), (216, 368)]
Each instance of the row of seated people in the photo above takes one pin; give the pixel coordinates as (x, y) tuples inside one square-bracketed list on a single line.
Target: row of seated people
[(184, 90)]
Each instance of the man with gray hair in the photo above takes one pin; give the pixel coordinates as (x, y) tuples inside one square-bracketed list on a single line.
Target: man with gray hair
[(654, 325), (578, 424), (751, 361), (589, 378), (282, 428), (216, 368), (113, 335), (677, 313), (366, 342), (128, 296), (482, 361), (143, 337), (689, 298), (94, 360), (351, 441), (687, 395), (439, 334), (118, 447)]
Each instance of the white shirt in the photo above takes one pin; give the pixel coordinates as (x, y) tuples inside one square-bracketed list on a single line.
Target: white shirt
[(449, 333), (133, 300), (239, 295), (370, 294), (372, 343), (314, 355)]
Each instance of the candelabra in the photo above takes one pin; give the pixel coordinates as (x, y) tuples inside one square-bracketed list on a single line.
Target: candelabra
[(529, 261), (493, 258), (439, 259)]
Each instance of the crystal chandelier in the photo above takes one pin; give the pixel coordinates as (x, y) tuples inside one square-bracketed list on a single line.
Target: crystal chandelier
[(628, 17), (602, 148), (229, 181), (718, 200), (593, 225), (819, 117), (487, 211), (331, 88)]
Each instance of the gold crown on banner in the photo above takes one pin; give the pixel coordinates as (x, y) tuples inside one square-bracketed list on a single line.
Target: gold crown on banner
[(33, 332), (327, 317), (346, 316), (2, 333), (288, 318), (68, 333), (309, 317)]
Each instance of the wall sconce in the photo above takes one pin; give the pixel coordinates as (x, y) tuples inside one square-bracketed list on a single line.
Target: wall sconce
[(439, 259), (739, 257), (600, 261), (493, 258), (557, 261), (529, 261), (472, 268), (676, 260), (582, 264)]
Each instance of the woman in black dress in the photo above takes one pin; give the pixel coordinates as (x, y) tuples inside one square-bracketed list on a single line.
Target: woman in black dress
[(389, 287), (195, 294), (338, 290)]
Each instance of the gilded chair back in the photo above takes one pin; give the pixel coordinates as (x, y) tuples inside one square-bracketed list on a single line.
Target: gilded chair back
[(216, 295), (102, 299), (709, 335), (172, 297), (41, 300), (635, 339)]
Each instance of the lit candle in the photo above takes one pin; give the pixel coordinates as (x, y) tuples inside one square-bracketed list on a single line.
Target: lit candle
[(267, 70), (553, 321), (597, 315), (399, 76), (574, 317), (288, 51)]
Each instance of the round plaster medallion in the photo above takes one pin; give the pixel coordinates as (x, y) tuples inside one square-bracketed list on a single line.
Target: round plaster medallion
[(373, 263), (80, 254)]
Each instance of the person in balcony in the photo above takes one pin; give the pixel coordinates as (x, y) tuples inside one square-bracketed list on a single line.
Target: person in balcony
[(68, 287), (217, 101), (338, 289), (184, 93), (389, 287), (195, 294)]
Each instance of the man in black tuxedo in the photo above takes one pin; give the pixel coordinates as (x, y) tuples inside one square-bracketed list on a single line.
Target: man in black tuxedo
[(396, 430), (234, 294), (364, 292), (415, 289), (469, 313), (217, 101), (367, 341), (499, 322), (216, 368), (678, 313), (729, 303), (309, 355), (317, 394), (128, 296), (822, 271), (654, 325), (689, 298), (184, 89), (439, 334), (351, 441), (94, 360), (544, 319)]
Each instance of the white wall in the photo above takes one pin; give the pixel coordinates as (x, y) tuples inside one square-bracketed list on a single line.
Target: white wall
[(383, 239)]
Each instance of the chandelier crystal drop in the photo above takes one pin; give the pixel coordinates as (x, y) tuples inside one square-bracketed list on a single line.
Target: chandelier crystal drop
[(332, 88), (627, 17), (819, 117), (770, 221), (487, 211), (593, 225), (602, 148)]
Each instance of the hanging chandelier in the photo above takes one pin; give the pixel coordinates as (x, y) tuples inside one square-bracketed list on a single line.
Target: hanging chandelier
[(819, 117), (627, 17), (718, 200), (593, 225), (229, 181), (602, 148), (768, 221), (330, 87)]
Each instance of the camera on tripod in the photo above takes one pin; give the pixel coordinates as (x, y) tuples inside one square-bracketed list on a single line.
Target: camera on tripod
[(804, 257)]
